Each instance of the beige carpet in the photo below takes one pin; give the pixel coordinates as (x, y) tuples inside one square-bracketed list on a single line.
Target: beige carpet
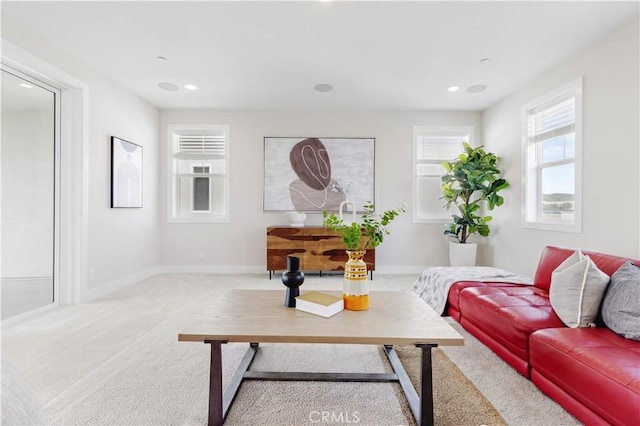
[(159, 381), (117, 361)]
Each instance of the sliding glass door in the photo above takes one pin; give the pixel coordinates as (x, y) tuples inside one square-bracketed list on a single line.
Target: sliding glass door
[(29, 230)]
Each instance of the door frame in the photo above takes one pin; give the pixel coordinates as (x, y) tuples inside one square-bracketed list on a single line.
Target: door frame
[(73, 177)]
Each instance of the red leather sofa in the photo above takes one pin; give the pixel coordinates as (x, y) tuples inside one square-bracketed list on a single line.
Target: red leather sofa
[(592, 372)]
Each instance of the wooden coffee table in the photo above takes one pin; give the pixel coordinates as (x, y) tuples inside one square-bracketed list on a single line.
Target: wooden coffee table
[(259, 316)]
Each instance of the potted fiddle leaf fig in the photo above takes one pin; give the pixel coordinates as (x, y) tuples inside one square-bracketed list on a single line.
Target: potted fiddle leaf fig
[(471, 182)]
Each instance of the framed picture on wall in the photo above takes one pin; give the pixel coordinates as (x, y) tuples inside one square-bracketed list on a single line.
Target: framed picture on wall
[(310, 174), (126, 174)]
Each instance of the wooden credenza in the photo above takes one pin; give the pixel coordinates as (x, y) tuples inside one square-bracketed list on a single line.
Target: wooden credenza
[(319, 249)]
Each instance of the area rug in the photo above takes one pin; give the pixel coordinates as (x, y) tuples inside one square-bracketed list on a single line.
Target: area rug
[(159, 381), (456, 399)]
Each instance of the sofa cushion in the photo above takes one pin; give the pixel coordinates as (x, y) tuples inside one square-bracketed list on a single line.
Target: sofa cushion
[(453, 299), (621, 304), (577, 289), (509, 314), (595, 366)]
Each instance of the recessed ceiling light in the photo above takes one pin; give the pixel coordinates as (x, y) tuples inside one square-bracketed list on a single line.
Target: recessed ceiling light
[(323, 87), (190, 87), (453, 88), (26, 85), (476, 88), (168, 86)]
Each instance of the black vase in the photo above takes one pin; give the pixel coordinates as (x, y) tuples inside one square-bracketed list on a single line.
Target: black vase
[(293, 278)]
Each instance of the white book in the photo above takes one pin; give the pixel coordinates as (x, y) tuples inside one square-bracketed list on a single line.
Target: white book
[(325, 305)]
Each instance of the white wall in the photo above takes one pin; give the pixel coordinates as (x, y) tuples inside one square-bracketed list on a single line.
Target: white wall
[(611, 179), (120, 243), (241, 244)]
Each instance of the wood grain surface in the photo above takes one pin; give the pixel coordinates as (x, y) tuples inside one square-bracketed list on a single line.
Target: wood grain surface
[(394, 318), (319, 249)]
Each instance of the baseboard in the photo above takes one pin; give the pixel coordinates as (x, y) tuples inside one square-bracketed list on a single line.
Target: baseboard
[(212, 269)]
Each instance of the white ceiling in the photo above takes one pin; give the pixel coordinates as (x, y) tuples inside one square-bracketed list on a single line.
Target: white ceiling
[(269, 55)]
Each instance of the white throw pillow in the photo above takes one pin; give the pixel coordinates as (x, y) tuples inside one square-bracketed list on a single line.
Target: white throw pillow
[(576, 291)]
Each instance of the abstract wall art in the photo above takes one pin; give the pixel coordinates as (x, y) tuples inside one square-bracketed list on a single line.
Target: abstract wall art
[(316, 174), (126, 173)]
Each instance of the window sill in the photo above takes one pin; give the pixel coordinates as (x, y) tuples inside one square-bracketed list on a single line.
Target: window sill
[(556, 227), (199, 219)]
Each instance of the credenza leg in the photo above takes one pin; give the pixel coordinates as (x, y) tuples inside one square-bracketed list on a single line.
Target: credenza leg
[(216, 413), (426, 385)]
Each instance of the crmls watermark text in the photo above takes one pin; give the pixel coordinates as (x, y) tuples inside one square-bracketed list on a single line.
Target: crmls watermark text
[(334, 417)]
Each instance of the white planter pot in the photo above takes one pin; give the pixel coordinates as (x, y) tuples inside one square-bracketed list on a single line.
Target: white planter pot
[(462, 254)]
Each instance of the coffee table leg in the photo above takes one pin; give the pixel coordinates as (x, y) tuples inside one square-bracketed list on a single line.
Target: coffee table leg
[(216, 414), (426, 385)]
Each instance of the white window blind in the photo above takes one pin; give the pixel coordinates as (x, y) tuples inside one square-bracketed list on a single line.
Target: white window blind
[(440, 146), (200, 146), (552, 120)]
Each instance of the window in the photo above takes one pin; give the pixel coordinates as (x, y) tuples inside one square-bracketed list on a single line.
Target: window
[(431, 146), (552, 147), (201, 189), (198, 178)]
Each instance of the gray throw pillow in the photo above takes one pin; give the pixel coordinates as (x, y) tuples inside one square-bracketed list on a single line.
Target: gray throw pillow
[(621, 304), (576, 290)]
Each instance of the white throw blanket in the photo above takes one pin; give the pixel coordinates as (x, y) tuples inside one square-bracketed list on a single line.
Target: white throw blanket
[(434, 283)]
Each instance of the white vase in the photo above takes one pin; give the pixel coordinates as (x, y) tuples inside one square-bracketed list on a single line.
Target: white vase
[(296, 219), (462, 254), (344, 204)]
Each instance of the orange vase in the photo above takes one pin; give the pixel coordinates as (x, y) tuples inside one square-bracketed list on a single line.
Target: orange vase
[(355, 290)]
